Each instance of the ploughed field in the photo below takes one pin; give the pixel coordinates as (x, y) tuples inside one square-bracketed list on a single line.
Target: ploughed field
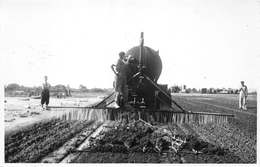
[(57, 141)]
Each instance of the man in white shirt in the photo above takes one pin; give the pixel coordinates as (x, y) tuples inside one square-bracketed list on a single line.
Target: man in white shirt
[(242, 95)]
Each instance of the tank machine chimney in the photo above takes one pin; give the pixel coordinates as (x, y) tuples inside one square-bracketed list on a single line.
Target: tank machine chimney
[(140, 66)]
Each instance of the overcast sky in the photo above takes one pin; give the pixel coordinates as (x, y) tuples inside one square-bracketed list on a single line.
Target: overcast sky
[(203, 43)]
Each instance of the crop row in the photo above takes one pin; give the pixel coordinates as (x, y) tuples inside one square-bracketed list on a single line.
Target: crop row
[(239, 136), (36, 142)]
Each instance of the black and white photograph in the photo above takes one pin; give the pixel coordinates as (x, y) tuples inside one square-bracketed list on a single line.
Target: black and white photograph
[(129, 81)]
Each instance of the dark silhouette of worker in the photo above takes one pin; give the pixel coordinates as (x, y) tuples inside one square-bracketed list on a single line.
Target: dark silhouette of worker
[(45, 93), (68, 90), (120, 79)]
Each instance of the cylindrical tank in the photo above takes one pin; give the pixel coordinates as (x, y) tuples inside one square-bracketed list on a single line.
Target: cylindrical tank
[(150, 59)]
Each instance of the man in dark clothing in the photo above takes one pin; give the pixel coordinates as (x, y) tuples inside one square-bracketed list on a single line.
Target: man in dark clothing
[(68, 91), (45, 93), (120, 79)]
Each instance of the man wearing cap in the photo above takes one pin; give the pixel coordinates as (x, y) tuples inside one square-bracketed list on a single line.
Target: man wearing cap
[(120, 79), (242, 95)]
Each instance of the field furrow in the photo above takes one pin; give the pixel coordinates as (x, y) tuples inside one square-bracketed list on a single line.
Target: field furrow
[(57, 141)]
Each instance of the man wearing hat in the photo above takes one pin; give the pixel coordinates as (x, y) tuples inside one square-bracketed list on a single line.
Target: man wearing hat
[(120, 79), (242, 95)]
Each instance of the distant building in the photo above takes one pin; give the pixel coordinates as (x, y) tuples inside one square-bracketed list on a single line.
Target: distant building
[(218, 90), (212, 90), (224, 91), (235, 91), (183, 88), (230, 90), (175, 89), (204, 90), (18, 92), (188, 90), (194, 90)]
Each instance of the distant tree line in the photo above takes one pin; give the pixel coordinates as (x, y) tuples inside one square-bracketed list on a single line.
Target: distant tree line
[(83, 88), (178, 89), (17, 89)]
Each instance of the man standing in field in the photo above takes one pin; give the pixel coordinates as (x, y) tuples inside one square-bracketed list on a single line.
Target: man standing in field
[(45, 93), (120, 79), (68, 90), (242, 95)]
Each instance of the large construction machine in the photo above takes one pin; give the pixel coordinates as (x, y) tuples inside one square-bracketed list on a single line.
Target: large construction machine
[(149, 100), (142, 73)]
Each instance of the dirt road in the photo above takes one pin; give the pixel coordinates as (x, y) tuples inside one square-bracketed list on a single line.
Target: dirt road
[(21, 112)]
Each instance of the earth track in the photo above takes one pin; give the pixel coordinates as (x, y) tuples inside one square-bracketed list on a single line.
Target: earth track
[(227, 108), (58, 141), (239, 136), (39, 140), (245, 122)]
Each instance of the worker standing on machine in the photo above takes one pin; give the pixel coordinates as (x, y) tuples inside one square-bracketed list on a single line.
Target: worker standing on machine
[(120, 80), (242, 95)]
